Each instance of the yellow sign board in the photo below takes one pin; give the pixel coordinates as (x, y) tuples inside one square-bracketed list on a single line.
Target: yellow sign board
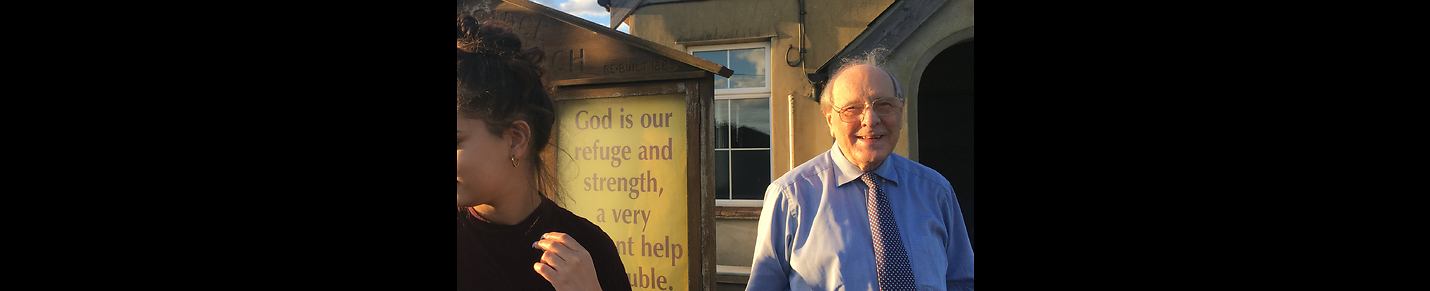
[(624, 168)]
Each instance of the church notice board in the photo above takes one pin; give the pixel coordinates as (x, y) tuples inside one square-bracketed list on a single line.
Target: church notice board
[(634, 139), (635, 160), (627, 172)]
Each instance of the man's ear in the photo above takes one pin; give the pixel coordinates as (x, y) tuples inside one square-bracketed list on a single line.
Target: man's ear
[(520, 137), (829, 121)]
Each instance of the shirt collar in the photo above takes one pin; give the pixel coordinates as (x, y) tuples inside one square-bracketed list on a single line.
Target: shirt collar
[(846, 172)]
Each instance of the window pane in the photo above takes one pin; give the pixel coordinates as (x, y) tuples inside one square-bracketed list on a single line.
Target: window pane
[(722, 174), (719, 57), (749, 66), (723, 124), (751, 171), (752, 123)]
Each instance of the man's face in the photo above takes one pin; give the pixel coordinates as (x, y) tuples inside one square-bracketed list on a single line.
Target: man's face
[(870, 137)]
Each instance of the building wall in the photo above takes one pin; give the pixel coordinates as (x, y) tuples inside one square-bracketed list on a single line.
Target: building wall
[(950, 25), (830, 26), (735, 241)]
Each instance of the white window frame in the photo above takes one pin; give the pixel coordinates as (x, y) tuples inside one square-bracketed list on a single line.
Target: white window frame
[(746, 93)]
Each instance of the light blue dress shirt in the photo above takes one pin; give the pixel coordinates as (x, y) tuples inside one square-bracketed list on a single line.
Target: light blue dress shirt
[(814, 232)]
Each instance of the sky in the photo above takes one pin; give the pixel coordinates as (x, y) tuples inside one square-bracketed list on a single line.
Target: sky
[(586, 9)]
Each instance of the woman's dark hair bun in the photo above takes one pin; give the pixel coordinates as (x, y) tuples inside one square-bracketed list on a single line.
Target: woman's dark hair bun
[(492, 38), (498, 81)]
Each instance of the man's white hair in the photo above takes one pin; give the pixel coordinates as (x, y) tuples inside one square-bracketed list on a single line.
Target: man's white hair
[(872, 59)]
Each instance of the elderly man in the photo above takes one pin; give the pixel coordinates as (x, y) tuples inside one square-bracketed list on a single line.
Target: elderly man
[(860, 217)]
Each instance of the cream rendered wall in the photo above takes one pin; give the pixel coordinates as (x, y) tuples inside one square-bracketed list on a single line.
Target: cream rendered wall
[(830, 25), (735, 241)]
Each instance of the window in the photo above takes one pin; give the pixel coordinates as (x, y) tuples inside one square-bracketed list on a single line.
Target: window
[(743, 161)]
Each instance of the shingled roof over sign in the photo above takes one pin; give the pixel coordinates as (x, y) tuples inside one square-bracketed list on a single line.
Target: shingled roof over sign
[(577, 49)]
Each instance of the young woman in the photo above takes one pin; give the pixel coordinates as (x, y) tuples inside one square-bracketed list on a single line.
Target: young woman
[(511, 235)]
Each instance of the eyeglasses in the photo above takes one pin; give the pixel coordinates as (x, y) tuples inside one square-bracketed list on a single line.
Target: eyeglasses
[(884, 107)]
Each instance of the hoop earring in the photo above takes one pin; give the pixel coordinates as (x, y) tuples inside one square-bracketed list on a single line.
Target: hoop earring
[(514, 163)]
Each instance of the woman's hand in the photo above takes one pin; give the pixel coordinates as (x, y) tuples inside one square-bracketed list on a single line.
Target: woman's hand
[(566, 264)]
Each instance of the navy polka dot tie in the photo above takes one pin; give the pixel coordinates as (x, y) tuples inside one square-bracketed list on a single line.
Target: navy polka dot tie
[(889, 255)]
